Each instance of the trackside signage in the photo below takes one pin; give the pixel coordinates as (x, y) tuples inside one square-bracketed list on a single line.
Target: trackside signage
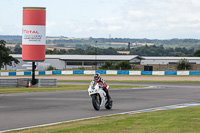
[(33, 35)]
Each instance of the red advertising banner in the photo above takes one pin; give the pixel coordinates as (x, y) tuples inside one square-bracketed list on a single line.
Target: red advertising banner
[(34, 34)]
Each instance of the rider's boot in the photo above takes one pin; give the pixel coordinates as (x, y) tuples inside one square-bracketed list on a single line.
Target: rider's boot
[(108, 96)]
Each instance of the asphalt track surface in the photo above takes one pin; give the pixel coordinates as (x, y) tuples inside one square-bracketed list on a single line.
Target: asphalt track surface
[(30, 109)]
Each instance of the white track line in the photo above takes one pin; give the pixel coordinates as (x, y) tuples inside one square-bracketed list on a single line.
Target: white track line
[(129, 112)]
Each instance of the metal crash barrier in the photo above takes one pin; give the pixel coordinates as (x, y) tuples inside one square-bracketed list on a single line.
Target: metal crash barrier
[(24, 82), (8, 82)]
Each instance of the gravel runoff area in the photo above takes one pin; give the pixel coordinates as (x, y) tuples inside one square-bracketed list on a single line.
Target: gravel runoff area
[(122, 78)]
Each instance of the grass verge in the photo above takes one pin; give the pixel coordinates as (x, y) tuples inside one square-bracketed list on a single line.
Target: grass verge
[(184, 120), (60, 87), (132, 81)]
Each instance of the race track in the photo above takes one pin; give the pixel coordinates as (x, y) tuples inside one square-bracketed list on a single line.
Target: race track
[(29, 109)]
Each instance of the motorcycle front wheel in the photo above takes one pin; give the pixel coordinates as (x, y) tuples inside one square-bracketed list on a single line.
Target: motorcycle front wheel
[(96, 101)]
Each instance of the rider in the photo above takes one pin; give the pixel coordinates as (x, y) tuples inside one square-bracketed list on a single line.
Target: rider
[(101, 81)]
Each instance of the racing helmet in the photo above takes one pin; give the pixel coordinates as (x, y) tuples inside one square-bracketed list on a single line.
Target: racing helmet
[(96, 77)]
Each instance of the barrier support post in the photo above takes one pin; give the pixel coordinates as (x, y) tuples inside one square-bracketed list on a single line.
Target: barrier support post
[(33, 73)]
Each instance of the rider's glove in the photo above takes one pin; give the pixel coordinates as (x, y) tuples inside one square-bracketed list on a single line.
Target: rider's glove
[(105, 89)]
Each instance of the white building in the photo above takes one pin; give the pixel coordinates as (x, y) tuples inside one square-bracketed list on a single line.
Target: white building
[(168, 60), (73, 61), (76, 61)]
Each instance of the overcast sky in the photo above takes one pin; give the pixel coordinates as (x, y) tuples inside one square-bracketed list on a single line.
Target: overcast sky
[(153, 19)]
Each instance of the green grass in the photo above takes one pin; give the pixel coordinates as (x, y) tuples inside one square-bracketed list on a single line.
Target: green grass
[(184, 120), (132, 81), (60, 88)]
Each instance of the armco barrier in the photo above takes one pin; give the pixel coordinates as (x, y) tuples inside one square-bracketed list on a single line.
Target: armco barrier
[(42, 73), (78, 72), (89, 72), (134, 72), (8, 82), (47, 82), (194, 72), (158, 73), (101, 71), (56, 72), (146, 72), (23, 82), (123, 72), (27, 73), (4, 74), (111, 72), (67, 72), (183, 73), (48, 72), (12, 73), (170, 72), (19, 73)]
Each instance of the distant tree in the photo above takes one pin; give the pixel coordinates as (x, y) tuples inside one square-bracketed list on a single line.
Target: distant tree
[(79, 51), (197, 53), (160, 51), (129, 46), (183, 64), (51, 68), (124, 65), (3, 43), (18, 49), (5, 58), (106, 65), (91, 53), (62, 51), (48, 51)]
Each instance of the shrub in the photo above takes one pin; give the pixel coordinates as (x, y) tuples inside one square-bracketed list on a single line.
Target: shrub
[(106, 65), (81, 68), (51, 68), (124, 65), (183, 64)]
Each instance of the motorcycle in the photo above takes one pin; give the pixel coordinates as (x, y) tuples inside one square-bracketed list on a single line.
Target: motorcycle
[(98, 96)]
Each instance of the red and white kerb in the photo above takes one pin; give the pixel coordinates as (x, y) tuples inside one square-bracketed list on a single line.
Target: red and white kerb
[(34, 34)]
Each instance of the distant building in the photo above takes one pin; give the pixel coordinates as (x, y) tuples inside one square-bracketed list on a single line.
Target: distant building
[(89, 61), (123, 52), (168, 60), (73, 61), (142, 44)]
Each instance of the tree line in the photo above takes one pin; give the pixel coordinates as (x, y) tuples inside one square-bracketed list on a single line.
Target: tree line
[(161, 51), (91, 40), (142, 51), (7, 59)]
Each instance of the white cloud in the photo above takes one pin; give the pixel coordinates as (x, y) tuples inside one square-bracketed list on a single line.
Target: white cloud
[(127, 18), (114, 28), (11, 30), (136, 19), (1, 29), (163, 17)]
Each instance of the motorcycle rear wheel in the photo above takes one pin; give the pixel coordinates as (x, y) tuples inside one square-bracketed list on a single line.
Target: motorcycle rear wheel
[(96, 102)]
